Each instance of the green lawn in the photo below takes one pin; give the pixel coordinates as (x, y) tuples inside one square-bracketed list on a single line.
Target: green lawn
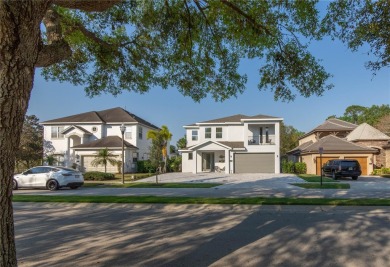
[(152, 185), (324, 185), (199, 200), (311, 178)]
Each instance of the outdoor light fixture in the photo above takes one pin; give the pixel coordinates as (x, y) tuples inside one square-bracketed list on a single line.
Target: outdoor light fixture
[(123, 129)]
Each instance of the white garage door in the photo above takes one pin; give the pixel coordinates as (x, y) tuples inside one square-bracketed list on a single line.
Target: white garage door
[(86, 163), (254, 163)]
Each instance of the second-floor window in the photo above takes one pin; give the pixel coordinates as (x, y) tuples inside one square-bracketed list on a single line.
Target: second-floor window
[(266, 135), (128, 134), (140, 132), (56, 132), (218, 132), (194, 135), (207, 133)]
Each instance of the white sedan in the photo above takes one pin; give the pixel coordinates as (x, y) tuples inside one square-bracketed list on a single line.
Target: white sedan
[(49, 177)]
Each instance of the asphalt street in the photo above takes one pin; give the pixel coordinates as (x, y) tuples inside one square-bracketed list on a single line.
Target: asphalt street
[(106, 235)]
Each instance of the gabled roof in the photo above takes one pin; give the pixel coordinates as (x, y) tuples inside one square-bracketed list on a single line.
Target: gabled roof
[(237, 119), (333, 144), (235, 145), (76, 127), (366, 132), (106, 142), (113, 115), (332, 125), (300, 147)]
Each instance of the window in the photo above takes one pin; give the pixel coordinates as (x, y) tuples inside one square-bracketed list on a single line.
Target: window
[(128, 133), (190, 156), (140, 132), (218, 133), (207, 133), (56, 132), (194, 135), (94, 129), (266, 135)]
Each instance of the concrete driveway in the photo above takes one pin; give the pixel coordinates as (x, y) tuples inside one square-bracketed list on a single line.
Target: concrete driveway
[(239, 185)]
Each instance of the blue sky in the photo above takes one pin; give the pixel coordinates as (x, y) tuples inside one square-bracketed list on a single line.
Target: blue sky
[(353, 85)]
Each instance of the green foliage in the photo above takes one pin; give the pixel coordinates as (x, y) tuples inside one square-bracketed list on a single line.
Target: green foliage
[(362, 23), (98, 176), (174, 164), (288, 138), (158, 150), (104, 156), (381, 171), (51, 160), (300, 168), (371, 115), (30, 150), (289, 166), (145, 166), (182, 143), (194, 46)]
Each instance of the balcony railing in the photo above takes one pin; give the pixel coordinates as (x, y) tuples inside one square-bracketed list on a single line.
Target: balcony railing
[(255, 140)]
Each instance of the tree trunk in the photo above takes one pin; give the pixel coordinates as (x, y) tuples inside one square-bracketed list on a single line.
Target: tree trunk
[(19, 48)]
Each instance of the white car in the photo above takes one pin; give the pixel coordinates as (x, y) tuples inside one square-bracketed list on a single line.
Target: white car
[(49, 177)]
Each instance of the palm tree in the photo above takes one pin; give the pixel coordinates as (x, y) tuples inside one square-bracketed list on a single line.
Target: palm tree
[(165, 135), (103, 156)]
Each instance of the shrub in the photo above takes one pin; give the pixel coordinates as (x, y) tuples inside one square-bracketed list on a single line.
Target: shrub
[(145, 166), (287, 166), (98, 176), (300, 167), (174, 164), (381, 171)]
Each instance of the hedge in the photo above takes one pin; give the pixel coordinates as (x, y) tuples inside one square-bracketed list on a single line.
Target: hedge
[(98, 176)]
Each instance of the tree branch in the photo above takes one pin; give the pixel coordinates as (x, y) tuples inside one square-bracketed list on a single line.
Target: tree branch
[(256, 25), (87, 5)]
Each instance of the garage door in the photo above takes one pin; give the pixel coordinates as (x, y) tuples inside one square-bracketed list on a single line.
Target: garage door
[(87, 166), (363, 163), (254, 163), (324, 160)]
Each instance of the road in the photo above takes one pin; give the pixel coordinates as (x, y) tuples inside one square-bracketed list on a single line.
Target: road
[(200, 235)]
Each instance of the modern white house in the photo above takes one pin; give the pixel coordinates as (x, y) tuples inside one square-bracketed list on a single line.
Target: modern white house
[(76, 139), (234, 144)]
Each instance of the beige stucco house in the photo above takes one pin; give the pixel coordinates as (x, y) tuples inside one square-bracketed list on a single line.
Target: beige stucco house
[(338, 139)]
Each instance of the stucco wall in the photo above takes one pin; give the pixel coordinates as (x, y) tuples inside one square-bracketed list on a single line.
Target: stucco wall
[(381, 157)]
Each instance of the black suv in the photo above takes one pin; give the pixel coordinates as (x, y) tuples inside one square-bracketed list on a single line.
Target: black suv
[(342, 168)]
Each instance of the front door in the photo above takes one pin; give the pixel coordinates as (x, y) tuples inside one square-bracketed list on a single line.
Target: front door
[(208, 162)]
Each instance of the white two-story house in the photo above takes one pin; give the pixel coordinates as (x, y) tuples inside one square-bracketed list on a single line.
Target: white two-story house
[(235, 144), (76, 139)]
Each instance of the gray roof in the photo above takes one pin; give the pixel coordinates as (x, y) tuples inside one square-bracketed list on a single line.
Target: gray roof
[(106, 142), (113, 115), (237, 118), (333, 144), (300, 147), (366, 132), (332, 125), (76, 127)]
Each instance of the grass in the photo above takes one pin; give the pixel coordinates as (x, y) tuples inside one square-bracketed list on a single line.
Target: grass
[(324, 185), (200, 200), (152, 185), (315, 178)]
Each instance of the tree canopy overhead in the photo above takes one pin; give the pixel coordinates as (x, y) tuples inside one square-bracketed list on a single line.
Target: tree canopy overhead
[(194, 46)]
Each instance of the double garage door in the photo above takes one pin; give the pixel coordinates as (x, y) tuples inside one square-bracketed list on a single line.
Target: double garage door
[(86, 163), (362, 161), (254, 163)]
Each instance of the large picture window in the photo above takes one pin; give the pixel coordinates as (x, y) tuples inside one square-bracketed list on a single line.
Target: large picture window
[(56, 132), (218, 133)]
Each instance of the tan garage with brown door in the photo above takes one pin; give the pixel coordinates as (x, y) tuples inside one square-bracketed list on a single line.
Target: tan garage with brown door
[(324, 160), (86, 163), (363, 161)]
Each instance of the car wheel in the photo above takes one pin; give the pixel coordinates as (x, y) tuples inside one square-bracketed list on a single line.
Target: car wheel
[(52, 185), (74, 187), (334, 176), (14, 184), (354, 177)]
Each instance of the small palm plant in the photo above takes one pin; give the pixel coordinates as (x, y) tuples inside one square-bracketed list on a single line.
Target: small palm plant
[(104, 156)]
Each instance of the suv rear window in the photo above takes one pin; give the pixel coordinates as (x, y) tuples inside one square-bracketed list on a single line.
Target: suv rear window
[(349, 163)]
